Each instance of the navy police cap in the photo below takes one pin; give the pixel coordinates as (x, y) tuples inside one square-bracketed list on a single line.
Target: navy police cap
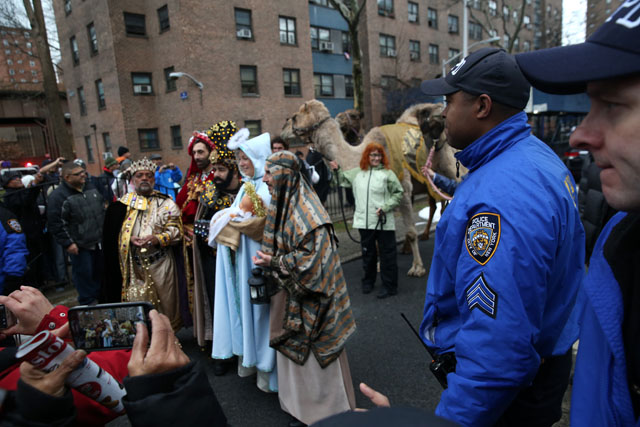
[(612, 51), (488, 71)]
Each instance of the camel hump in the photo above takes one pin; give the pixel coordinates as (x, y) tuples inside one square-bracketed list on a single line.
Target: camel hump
[(406, 148)]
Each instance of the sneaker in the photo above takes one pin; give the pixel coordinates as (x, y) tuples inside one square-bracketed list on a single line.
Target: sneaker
[(386, 293)]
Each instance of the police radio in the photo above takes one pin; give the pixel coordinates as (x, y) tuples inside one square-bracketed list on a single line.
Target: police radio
[(441, 364)]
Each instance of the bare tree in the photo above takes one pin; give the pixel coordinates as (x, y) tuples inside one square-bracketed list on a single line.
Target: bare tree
[(351, 10), (35, 14)]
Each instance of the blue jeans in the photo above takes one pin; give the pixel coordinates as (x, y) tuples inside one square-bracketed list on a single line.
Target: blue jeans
[(85, 274)]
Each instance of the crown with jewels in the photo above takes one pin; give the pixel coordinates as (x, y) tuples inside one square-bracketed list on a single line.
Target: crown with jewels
[(143, 164), (219, 134)]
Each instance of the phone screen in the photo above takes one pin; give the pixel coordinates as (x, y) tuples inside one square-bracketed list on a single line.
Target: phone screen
[(107, 326)]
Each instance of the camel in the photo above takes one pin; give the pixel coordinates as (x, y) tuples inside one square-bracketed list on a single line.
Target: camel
[(422, 121), (350, 122)]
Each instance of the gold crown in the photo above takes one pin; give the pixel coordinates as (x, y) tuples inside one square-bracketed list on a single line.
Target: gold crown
[(143, 164)]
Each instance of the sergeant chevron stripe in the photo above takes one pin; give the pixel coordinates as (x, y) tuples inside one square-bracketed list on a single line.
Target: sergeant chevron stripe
[(481, 296)]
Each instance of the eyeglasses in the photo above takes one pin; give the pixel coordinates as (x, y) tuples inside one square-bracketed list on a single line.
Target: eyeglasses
[(78, 173), (375, 155)]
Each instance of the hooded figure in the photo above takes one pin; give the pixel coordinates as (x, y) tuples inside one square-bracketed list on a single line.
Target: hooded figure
[(239, 327)]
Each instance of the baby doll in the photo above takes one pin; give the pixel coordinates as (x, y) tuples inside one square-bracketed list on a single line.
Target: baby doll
[(250, 206)]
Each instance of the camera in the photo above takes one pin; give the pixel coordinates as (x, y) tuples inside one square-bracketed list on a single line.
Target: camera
[(7, 318), (107, 326)]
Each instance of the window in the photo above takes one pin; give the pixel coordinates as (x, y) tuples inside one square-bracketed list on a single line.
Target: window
[(474, 4), (346, 42), (176, 137), (414, 50), (93, 39), (434, 54), (493, 8), (102, 104), (505, 13), (254, 126), (515, 15), (163, 18), (453, 24), (87, 143), (385, 8), (414, 16), (142, 83), (323, 85), (32, 63), (348, 86), (75, 55), (7, 51), (82, 101), (135, 24), (249, 79), (67, 7), (29, 45), (526, 21), (432, 18), (106, 140), (319, 35), (453, 52), (505, 41), (170, 83), (322, 3), (388, 82), (516, 45), (291, 79), (12, 72), (475, 31), (287, 30), (9, 62), (148, 139), (243, 24), (526, 46), (387, 45)]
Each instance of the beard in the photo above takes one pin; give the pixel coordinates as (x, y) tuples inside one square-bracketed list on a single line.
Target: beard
[(202, 164), (223, 184)]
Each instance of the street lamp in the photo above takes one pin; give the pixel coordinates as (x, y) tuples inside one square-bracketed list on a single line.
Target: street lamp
[(178, 74), (454, 57)]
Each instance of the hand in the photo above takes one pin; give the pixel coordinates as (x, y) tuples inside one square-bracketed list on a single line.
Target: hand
[(171, 166), (334, 165), (165, 352), (73, 249), (29, 306), (262, 260), (51, 383), (378, 399), (379, 212), (188, 233), (145, 241), (427, 171)]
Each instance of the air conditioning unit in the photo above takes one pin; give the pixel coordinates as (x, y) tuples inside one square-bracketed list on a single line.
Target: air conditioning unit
[(391, 53), (453, 29), (106, 155), (414, 56), (326, 46), (244, 33), (142, 89)]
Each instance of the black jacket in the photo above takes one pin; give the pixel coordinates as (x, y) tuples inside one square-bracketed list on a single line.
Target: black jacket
[(76, 216)]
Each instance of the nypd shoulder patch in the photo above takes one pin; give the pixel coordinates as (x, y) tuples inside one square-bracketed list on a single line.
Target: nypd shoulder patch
[(482, 236), (14, 225), (480, 295)]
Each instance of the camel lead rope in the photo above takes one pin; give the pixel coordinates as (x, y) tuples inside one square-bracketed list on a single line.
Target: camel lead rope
[(435, 188)]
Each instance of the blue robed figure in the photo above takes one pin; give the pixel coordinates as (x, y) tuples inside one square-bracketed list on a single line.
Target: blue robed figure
[(239, 327)]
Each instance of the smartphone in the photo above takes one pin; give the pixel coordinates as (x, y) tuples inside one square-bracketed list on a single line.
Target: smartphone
[(107, 326), (7, 318)]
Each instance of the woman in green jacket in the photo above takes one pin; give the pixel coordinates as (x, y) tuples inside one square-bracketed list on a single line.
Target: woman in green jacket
[(377, 192)]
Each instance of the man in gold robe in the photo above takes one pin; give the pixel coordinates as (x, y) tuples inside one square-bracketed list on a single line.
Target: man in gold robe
[(151, 226)]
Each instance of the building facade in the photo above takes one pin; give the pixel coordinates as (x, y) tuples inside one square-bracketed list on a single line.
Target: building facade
[(256, 61), (598, 11)]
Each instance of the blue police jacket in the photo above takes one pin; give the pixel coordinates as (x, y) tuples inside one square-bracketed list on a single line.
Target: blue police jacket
[(13, 247), (167, 181), (600, 395), (507, 265)]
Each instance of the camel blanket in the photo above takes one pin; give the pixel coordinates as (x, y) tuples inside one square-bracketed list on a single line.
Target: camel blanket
[(407, 150), (230, 235)]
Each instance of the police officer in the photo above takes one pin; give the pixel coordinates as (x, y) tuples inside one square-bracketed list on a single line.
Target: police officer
[(606, 385), (508, 256), (13, 247)]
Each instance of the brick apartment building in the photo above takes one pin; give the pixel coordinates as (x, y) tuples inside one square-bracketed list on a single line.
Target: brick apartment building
[(25, 129), (258, 61)]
